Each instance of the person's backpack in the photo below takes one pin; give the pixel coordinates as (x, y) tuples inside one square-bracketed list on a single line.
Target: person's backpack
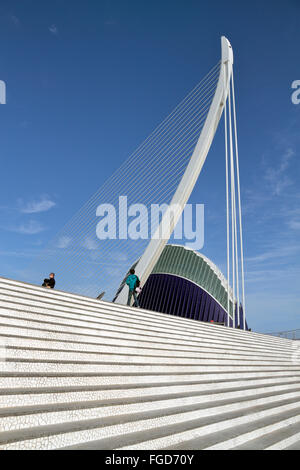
[(137, 282)]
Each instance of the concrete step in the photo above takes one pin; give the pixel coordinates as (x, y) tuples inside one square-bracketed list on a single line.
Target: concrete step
[(218, 391), (84, 304), (79, 373), (23, 308), (10, 317), (139, 426), (58, 367), (100, 310), (94, 384), (35, 354), (18, 287), (281, 437), (34, 332), (295, 445), (60, 382), (9, 320), (202, 405), (138, 348), (226, 437)]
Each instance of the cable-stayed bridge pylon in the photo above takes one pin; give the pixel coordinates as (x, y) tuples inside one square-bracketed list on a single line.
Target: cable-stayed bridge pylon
[(93, 251)]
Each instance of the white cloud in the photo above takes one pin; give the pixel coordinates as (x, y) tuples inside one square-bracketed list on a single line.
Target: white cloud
[(294, 224), (31, 228), (24, 124), (121, 256), (90, 244), (293, 218), (53, 29), (43, 205), (276, 176), (18, 254), (275, 253), (15, 20), (64, 242), (115, 273)]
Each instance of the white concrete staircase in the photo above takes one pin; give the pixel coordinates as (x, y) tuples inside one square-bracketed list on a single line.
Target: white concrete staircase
[(78, 373)]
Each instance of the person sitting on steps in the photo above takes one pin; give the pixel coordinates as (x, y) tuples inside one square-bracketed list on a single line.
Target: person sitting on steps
[(49, 283)]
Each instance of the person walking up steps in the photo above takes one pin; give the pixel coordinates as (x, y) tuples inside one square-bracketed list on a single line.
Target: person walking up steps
[(132, 281)]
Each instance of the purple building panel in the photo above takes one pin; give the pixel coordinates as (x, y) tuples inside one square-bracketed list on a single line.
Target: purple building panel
[(174, 295)]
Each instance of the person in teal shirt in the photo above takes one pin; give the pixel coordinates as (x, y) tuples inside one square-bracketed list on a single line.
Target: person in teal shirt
[(132, 281)]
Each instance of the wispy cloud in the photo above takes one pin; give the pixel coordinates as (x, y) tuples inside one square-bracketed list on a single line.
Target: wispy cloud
[(30, 228), (90, 244), (120, 256), (33, 207), (115, 273), (294, 224), (64, 242), (292, 217), (18, 254), (274, 254), (111, 22), (273, 179), (25, 124), (53, 29), (15, 20), (263, 276), (276, 176)]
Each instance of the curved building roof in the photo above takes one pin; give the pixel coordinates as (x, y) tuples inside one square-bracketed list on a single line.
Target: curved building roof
[(194, 266)]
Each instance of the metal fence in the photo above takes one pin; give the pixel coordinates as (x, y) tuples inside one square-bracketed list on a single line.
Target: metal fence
[(291, 334)]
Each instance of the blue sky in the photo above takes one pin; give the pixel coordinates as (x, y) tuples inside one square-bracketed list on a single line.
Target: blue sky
[(88, 81)]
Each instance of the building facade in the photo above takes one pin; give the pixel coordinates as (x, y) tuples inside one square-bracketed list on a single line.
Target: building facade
[(186, 283)]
